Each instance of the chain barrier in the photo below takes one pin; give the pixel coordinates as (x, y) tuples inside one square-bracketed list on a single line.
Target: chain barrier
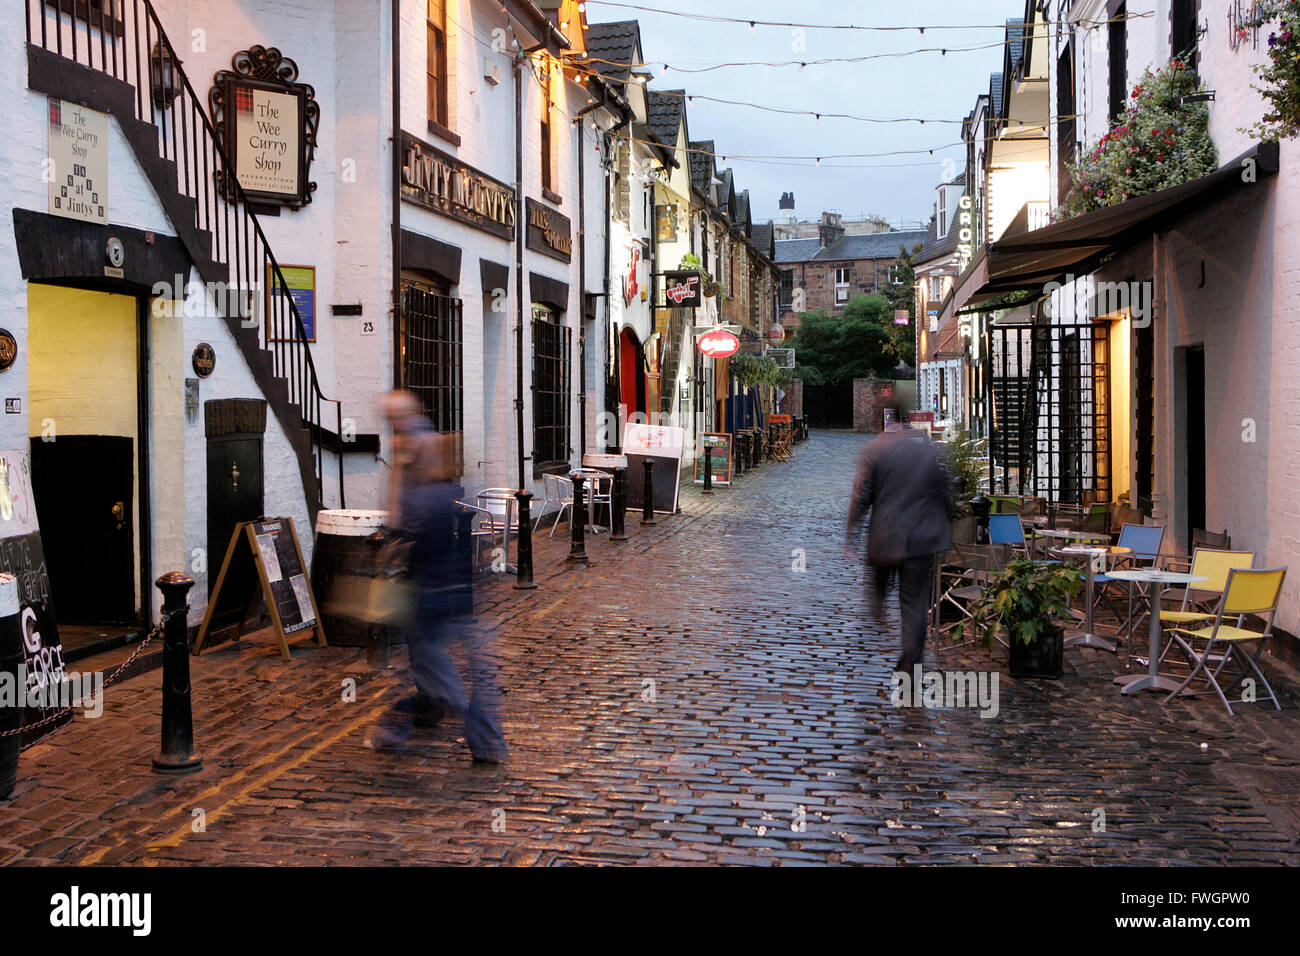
[(108, 681)]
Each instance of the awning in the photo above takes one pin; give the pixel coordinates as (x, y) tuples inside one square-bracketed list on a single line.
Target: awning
[(1027, 262)]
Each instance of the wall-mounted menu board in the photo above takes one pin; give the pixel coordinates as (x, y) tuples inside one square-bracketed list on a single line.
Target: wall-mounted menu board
[(270, 548), (721, 458)]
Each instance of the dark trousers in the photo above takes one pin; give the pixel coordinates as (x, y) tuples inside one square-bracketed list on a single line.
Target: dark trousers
[(915, 587)]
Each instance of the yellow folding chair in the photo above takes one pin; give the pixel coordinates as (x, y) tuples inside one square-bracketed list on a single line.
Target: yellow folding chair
[(1246, 592)]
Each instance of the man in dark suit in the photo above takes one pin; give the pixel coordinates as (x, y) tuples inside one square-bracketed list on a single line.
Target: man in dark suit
[(904, 485)]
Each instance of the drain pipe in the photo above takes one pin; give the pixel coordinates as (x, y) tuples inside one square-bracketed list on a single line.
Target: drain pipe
[(395, 7), (519, 267)]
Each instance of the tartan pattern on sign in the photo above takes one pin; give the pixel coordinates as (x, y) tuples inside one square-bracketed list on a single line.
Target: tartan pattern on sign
[(244, 100), (56, 112)]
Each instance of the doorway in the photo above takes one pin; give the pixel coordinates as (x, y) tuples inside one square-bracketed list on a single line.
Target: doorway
[(1194, 439), (85, 426)]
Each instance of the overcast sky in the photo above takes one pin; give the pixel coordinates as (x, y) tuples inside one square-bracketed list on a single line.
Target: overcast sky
[(930, 86)]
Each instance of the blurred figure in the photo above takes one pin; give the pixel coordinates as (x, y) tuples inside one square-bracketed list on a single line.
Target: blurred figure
[(422, 518), (902, 482)]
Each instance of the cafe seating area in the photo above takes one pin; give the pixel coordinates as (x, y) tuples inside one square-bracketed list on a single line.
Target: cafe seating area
[(1184, 625)]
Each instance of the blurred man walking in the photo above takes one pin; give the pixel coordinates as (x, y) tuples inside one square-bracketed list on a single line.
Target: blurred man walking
[(902, 483)]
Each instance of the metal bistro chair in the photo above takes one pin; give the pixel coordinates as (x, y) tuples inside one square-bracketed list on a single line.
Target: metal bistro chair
[(482, 527), (563, 495), (966, 568), (1199, 601), (599, 493), (1247, 592), (1143, 542)]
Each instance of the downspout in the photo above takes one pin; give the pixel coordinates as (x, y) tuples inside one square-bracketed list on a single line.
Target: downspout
[(395, 7), (582, 292), (519, 267)]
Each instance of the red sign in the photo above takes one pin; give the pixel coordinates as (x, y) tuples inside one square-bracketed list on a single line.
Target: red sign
[(629, 281), (776, 335), (719, 344)]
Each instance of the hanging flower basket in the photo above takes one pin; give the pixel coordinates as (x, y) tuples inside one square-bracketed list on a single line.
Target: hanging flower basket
[(1281, 74), (1155, 145)]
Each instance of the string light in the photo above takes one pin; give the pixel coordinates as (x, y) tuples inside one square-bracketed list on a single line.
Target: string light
[(712, 18)]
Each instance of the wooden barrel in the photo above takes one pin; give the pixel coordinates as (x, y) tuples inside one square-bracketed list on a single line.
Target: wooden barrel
[(343, 562), (11, 659)]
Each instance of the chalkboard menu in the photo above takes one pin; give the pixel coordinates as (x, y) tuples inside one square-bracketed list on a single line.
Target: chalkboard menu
[(721, 458), (263, 557), (22, 555), (662, 444)]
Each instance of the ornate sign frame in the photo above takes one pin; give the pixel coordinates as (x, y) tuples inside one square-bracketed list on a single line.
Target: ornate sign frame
[(266, 69)]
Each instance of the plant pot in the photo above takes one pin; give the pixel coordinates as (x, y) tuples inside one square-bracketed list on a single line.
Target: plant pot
[(1045, 658)]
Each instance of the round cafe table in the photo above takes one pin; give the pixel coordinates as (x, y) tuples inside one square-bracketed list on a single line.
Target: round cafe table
[(590, 476), (1153, 679), (1091, 552), (1060, 534)]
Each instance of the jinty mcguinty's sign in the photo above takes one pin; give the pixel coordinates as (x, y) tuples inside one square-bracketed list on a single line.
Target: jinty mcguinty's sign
[(549, 232), (445, 185)]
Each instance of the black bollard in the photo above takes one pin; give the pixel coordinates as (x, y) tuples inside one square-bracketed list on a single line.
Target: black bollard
[(578, 526), (618, 506), (708, 469), (177, 754), (979, 506), (648, 502), (737, 455), (524, 544), (11, 666)]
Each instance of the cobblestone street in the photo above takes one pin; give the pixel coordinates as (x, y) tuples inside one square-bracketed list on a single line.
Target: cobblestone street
[(691, 697)]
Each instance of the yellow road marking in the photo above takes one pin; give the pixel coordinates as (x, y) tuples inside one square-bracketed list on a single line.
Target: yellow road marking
[(176, 837)]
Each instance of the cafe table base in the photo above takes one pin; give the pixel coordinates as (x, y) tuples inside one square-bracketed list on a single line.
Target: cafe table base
[(1153, 679)]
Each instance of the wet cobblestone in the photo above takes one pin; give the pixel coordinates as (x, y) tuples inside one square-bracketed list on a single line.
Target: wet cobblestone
[(688, 699)]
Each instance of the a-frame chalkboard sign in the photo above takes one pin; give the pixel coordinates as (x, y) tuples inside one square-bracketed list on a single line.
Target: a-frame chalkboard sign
[(265, 556)]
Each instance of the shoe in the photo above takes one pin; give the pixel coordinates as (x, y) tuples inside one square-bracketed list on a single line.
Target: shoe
[(382, 738), (424, 713), (491, 756)]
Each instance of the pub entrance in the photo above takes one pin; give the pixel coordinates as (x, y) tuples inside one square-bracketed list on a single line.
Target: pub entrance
[(84, 427)]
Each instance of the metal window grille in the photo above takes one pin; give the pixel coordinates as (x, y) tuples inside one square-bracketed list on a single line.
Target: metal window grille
[(552, 374), (432, 363)]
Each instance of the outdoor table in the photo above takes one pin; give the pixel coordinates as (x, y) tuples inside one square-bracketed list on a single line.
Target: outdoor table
[(590, 476), (1153, 680), (1088, 638), (509, 498), (1063, 535)]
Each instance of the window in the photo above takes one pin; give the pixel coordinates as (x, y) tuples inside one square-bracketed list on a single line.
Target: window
[(787, 290), (941, 222), (1065, 125), (437, 68), (547, 183), (551, 389), (1118, 62), (842, 286), (430, 363), (1184, 35)]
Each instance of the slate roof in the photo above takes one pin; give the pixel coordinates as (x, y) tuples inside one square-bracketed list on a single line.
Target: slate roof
[(1015, 42), (995, 111), (880, 245), (741, 214), (664, 115), (761, 236), (702, 167), (616, 42), (724, 191), (935, 248)]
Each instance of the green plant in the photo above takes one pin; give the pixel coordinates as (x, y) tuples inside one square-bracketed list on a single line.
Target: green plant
[(963, 460), (1022, 599), (1155, 145), (1281, 74), (752, 370), (708, 287)]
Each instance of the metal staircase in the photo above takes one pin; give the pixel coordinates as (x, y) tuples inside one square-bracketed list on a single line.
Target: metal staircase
[(114, 56)]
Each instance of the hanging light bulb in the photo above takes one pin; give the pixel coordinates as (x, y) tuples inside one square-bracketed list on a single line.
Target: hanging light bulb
[(819, 160), (690, 101), (751, 26), (819, 116)]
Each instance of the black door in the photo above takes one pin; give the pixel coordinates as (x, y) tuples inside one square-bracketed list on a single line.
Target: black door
[(234, 491), (83, 485), (1195, 440)]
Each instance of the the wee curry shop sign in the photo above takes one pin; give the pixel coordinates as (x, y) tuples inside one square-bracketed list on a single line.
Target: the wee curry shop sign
[(445, 185), (549, 233)]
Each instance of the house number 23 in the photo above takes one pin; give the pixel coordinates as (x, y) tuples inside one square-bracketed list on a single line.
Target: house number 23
[(367, 327)]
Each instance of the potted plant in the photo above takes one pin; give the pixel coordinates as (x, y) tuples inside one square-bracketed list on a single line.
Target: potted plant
[(708, 287), (963, 462), (1024, 599)]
